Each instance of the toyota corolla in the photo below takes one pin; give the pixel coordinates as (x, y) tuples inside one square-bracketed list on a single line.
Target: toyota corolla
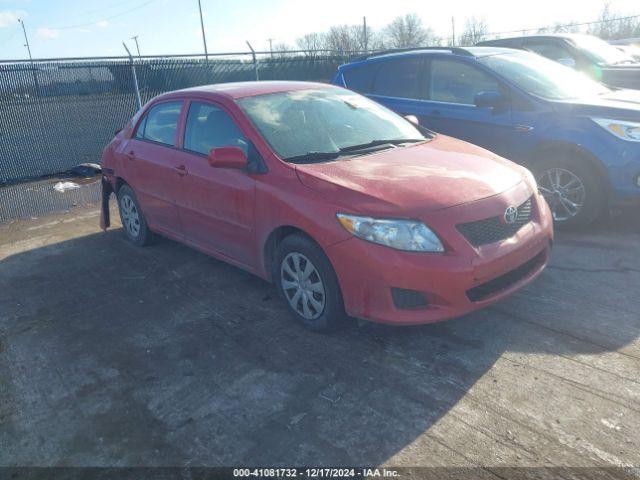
[(349, 208)]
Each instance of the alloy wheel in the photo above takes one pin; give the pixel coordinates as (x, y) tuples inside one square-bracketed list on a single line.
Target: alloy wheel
[(302, 285), (130, 216), (564, 192)]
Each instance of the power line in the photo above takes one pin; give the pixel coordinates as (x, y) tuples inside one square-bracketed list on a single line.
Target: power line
[(88, 24), (581, 24)]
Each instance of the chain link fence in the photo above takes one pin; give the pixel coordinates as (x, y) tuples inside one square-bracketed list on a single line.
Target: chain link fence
[(56, 114)]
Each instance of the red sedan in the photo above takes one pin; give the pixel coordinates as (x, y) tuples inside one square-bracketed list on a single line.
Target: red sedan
[(347, 207)]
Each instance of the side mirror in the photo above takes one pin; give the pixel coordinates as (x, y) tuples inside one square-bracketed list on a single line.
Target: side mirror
[(413, 119), (567, 62), (228, 157), (489, 99)]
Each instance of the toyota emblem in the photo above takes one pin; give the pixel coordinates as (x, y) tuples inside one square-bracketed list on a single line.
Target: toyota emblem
[(511, 215)]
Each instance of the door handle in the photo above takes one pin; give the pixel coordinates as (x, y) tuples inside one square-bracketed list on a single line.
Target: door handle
[(181, 170), (436, 113), (131, 155)]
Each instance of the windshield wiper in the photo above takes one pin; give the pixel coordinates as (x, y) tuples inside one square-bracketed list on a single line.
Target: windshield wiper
[(311, 157), (376, 143)]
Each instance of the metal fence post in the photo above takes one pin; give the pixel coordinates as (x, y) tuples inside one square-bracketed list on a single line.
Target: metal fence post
[(135, 77), (255, 61)]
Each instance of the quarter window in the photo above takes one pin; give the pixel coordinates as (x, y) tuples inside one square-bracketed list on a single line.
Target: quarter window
[(209, 127), (399, 78), (160, 123), (457, 82)]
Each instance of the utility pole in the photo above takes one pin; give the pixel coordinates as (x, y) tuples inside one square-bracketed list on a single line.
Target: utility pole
[(135, 39), (270, 40), (365, 35), (453, 32), (33, 68), (204, 38)]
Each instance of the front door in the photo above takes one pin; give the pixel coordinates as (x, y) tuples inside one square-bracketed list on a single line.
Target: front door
[(449, 106), (216, 205)]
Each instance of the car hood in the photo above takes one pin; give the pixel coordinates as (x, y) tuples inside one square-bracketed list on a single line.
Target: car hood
[(441, 173), (622, 104), (624, 76)]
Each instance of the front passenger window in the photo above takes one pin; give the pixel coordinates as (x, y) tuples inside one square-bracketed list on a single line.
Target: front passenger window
[(209, 127), (457, 82)]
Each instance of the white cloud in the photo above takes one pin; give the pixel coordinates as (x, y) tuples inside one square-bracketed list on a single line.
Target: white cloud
[(47, 33), (84, 30), (102, 24), (10, 17)]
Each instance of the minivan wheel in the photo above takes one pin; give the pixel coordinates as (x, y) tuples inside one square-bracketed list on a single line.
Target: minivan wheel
[(307, 282), (573, 191), (133, 221)]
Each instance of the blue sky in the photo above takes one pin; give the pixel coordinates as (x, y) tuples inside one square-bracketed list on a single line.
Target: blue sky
[(64, 28)]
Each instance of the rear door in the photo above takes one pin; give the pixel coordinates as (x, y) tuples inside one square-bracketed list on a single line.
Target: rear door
[(216, 205), (149, 165)]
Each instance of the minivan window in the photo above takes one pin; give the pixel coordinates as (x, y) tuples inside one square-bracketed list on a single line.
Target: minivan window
[(209, 127), (600, 51), (552, 51), (542, 77), (457, 82), (399, 78), (161, 123)]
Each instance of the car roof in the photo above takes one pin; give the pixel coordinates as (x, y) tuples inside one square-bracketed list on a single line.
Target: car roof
[(474, 52), (497, 41), (236, 90)]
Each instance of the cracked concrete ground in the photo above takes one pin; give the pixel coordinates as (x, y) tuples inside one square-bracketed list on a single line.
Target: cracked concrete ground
[(114, 355)]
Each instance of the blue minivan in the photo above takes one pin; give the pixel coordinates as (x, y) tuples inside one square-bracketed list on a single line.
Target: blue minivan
[(580, 138)]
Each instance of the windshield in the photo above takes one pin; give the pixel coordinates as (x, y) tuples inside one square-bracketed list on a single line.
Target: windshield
[(545, 78), (326, 121), (600, 51)]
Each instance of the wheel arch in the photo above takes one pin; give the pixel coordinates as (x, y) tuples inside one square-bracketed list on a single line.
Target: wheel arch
[(543, 151), (275, 237)]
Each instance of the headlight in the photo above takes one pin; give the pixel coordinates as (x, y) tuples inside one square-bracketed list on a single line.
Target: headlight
[(399, 234), (620, 128)]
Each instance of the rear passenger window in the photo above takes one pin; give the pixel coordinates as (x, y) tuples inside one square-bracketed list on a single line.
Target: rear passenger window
[(361, 78), (161, 123), (209, 127), (457, 82), (399, 78)]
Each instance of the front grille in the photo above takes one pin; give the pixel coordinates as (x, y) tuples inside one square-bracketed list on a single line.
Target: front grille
[(486, 290), (494, 229)]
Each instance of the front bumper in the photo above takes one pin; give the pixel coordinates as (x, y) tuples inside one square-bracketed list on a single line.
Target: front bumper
[(462, 280)]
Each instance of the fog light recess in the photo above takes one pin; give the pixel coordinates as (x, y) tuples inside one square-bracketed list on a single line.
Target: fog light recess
[(407, 299)]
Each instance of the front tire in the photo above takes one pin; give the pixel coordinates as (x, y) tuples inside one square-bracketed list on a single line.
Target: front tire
[(133, 221), (308, 284), (572, 188)]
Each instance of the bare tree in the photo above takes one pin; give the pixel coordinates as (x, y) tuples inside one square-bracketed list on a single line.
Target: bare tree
[(311, 43), (475, 30), (407, 31), (281, 50), (610, 28), (346, 38), (559, 27)]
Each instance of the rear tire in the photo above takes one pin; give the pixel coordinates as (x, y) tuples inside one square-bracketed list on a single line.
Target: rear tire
[(572, 187), (133, 221), (308, 284)]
